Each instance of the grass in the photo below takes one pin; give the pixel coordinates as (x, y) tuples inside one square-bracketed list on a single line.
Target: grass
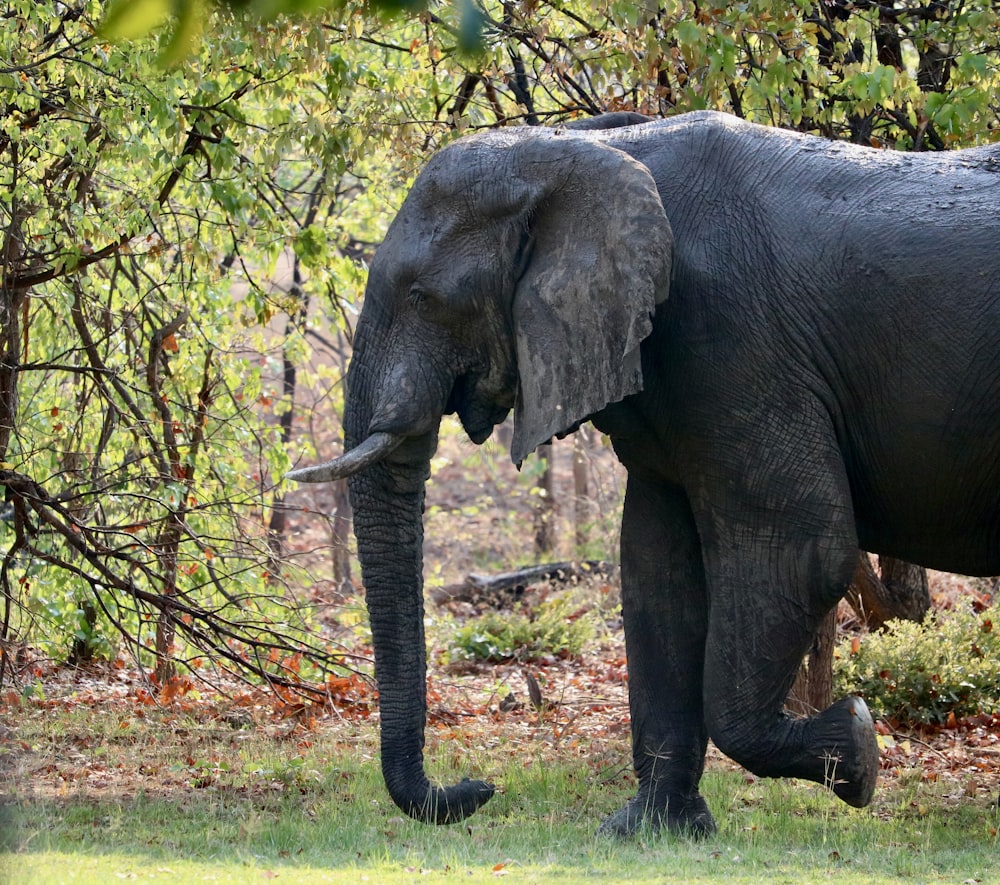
[(175, 798)]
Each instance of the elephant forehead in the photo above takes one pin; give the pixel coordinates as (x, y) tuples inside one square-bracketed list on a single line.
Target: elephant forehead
[(442, 241), (477, 173), (436, 252), (448, 179), (475, 156), (433, 212)]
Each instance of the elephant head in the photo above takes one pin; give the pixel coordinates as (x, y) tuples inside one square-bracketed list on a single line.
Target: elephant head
[(522, 271)]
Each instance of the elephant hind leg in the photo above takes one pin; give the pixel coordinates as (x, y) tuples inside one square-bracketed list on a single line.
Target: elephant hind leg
[(780, 546), (845, 734)]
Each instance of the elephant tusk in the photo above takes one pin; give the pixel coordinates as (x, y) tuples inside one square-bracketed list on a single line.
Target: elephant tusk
[(373, 449)]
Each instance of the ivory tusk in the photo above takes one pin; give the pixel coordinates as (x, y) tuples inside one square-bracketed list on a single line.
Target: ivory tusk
[(373, 449)]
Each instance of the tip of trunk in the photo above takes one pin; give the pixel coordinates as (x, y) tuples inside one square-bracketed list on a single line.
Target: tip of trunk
[(445, 805)]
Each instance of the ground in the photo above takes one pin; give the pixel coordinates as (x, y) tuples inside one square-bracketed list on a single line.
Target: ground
[(583, 715), (479, 516)]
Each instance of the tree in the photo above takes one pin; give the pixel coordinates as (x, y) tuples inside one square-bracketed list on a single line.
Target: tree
[(139, 451), (141, 437)]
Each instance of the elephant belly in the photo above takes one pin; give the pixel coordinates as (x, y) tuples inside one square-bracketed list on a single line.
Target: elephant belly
[(954, 529), (923, 458)]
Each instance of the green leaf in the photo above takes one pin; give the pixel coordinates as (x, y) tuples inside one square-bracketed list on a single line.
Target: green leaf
[(688, 33), (973, 64), (132, 19), (186, 33), (311, 245), (471, 25)]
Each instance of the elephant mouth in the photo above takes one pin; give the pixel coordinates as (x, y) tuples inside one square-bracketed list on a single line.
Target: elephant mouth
[(478, 426), (478, 414), (479, 435)]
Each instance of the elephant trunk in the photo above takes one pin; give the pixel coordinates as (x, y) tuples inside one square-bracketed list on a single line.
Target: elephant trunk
[(389, 528), (391, 422), (391, 428)]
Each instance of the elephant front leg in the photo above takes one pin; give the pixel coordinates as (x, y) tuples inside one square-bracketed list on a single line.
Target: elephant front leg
[(665, 618), (763, 617)]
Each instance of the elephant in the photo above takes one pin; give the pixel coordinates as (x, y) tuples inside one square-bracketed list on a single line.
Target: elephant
[(794, 347)]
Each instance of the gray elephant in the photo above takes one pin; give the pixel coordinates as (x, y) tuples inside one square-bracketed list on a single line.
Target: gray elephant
[(794, 346)]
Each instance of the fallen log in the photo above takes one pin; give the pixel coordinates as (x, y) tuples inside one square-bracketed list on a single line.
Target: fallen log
[(506, 585)]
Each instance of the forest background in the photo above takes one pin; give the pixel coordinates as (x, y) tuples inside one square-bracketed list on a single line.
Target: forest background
[(186, 214)]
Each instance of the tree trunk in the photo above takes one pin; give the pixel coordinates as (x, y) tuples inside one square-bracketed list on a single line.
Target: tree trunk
[(813, 688), (13, 308), (545, 505), (295, 324), (341, 518), (901, 592), (166, 627), (581, 491)]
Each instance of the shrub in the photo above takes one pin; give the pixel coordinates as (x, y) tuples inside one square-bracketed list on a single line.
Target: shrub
[(554, 627), (947, 666)]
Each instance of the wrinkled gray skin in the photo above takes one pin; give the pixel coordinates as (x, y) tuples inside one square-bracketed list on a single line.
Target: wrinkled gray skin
[(794, 346)]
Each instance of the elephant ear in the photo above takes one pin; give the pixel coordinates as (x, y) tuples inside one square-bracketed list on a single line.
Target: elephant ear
[(599, 265)]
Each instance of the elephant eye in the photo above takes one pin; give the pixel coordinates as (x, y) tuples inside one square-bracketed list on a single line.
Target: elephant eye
[(417, 296)]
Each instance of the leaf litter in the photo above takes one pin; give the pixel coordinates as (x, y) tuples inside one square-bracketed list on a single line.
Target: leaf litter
[(525, 712), (552, 708)]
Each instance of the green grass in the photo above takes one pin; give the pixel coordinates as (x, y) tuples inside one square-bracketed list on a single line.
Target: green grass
[(173, 799), (326, 838)]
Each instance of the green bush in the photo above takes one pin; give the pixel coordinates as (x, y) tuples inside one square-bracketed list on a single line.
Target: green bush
[(553, 627), (950, 664)]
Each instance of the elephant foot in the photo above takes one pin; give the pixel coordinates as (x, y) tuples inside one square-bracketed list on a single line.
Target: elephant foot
[(846, 733), (687, 817), (836, 748)]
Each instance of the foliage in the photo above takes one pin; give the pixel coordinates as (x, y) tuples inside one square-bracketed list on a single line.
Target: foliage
[(553, 627), (946, 667), (132, 19), (145, 397), (922, 75), (915, 75)]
